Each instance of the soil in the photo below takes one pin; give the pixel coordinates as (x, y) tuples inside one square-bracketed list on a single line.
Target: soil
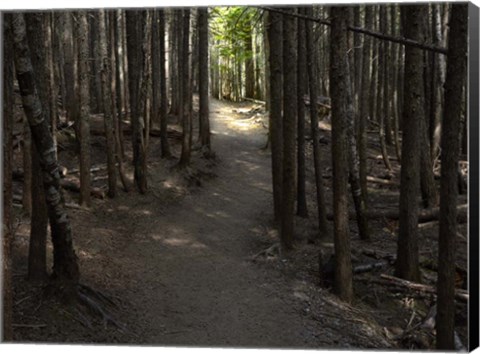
[(185, 266)]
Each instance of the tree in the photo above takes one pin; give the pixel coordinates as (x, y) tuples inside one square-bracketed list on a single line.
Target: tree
[(275, 123), (407, 264), (186, 101), (135, 55), (37, 24), (339, 79), (312, 84), (289, 129), (203, 79), (163, 87), (83, 119), (106, 79), (364, 105), (456, 77), (65, 266), (301, 91), (7, 236)]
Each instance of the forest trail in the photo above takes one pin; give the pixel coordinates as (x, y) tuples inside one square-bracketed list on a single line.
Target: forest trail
[(191, 280)]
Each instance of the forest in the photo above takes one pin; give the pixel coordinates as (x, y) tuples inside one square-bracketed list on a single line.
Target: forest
[(241, 176)]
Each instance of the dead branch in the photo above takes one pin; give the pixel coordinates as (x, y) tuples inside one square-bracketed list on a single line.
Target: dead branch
[(460, 294), (423, 216), (381, 36)]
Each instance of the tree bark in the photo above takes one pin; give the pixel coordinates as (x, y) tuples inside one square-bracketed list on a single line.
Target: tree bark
[(339, 80), (65, 266), (301, 91), (203, 79), (275, 59), (135, 34), (83, 121), (37, 31), (186, 102), (7, 236), (407, 265), (456, 77), (312, 80), (107, 105), (364, 105), (289, 130), (163, 88)]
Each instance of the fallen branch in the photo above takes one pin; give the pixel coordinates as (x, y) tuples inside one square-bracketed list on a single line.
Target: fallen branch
[(423, 216), (377, 35), (382, 181), (460, 294)]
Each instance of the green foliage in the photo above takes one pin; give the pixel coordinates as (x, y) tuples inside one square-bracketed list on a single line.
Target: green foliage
[(230, 28)]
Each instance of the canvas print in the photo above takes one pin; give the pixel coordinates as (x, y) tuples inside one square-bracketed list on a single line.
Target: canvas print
[(291, 177)]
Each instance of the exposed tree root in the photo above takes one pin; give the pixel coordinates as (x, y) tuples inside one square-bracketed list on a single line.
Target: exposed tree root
[(97, 303), (271, 252)]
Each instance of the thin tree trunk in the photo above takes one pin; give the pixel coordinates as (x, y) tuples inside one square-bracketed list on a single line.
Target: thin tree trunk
[(353, 162), (407, 264), (65, 266), (364, 105), (122, 87), (339, 81), (312, 80), (107, 105), (456, 77), (186, 117), (275, 35), (289, 130), (84, 114), (203, 80), (301, 91), (163, 88)]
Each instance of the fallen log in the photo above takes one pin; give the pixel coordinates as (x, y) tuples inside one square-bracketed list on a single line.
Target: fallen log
[(73, 184), (460, 294), (127, 129), (423, 216), (382, 181), (70, 183)]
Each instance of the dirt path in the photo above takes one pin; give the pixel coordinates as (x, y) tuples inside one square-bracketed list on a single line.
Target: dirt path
[(192, 282)]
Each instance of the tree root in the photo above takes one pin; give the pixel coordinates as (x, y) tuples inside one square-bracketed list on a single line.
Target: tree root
[(98, 304), (271, 252)]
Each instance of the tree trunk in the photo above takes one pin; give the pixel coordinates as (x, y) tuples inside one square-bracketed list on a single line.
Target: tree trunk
[(249, 68), (407, 264), (7, 236), (121, 87), (27, 167), (163, 88), (456, 77), (289, 130), (382, 89), (186, 102), (156, 90), (84, 114), (275, 59), (339, 80), (312, 80), (69, 53), (364, 105), (203, 79), (353, 163), (37, 31), (107, 105), (135, 34), (301, 91), (65, 266)]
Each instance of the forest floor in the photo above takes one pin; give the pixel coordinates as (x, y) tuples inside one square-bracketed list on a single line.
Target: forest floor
[(184, 262)]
